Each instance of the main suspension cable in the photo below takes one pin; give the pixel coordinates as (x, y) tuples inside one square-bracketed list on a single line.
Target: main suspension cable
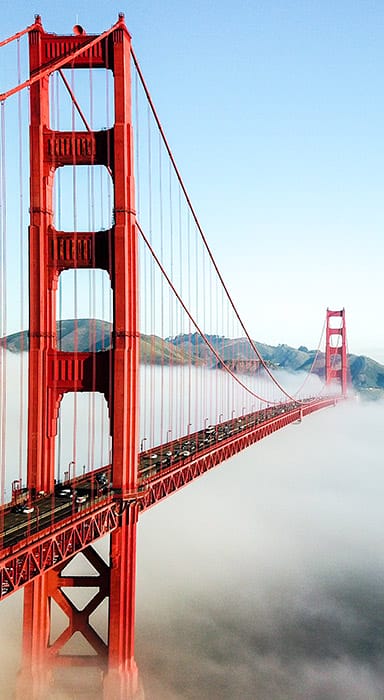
[(55, 65), (317, 352), (196, 325), (199, 227), (18, 35)]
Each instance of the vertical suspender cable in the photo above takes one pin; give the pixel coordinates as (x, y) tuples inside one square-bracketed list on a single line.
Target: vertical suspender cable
[(21, 271), (151, 295), (189, 322), (170, 311), (110, 210), (3, 298), (161, 310), (142, 264), (75, 281), (93, 288), (58, 225), (182, 372)]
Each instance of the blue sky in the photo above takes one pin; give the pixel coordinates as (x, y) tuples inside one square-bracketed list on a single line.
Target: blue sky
[(274, 111)]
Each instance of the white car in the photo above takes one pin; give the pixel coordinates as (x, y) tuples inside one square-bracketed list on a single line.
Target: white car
[(81, 499), (23, 509)]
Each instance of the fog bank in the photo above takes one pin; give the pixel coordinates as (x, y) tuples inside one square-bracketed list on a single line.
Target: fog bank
[(263, 579)]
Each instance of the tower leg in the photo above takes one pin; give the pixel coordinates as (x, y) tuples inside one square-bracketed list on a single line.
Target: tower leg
[(121, 681), (35, 675)]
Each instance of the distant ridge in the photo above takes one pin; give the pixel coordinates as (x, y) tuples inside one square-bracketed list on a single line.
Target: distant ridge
[(93, 335)]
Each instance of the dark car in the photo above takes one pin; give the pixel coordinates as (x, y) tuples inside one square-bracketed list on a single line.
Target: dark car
[(102, 481), (23, 509)]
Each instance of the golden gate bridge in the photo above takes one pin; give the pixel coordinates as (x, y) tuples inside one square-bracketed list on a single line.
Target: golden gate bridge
[(101, 220)]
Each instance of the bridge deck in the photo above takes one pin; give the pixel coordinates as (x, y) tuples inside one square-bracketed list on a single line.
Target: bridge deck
[(62, 524)]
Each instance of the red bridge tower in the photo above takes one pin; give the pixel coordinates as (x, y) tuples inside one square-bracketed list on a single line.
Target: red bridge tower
[(336, 349), (114, 373)]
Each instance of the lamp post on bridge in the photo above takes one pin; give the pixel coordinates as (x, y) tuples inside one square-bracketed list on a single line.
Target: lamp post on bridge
[(70, 465), (143, 440)]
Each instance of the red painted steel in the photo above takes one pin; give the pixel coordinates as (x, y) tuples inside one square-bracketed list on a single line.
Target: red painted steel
[(121, 680), (23, 563), (170, 480), (78, 619), (336, 350), (41, 551), (41, 654), (35, 676), (51, 372), (114, 372)]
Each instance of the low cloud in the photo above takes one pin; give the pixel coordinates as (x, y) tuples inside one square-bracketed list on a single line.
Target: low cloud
[(264, 579)]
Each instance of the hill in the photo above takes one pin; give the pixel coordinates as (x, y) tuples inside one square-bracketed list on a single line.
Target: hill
[(367, 375), (93, 335)]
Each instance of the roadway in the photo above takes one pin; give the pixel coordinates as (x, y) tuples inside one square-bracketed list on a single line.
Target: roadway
[(75, 500)]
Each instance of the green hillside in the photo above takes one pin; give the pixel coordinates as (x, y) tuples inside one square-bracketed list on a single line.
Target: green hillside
[(84, 335)]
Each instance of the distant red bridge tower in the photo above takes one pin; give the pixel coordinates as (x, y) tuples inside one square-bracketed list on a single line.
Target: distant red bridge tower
[(113, 373), (336, 349)]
